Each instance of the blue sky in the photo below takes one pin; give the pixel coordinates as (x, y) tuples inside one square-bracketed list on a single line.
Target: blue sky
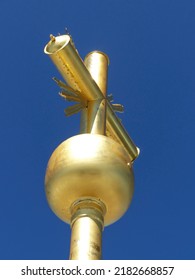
[(152, 64)]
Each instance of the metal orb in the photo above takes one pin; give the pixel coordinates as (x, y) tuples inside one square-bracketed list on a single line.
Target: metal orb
[(89, 166)]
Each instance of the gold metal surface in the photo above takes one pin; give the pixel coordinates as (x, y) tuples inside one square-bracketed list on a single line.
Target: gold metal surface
[(86, 240), (96, 121), (89, 165), (89, 180), (70, 65), (84, 120), (97, 64), (87, 225)]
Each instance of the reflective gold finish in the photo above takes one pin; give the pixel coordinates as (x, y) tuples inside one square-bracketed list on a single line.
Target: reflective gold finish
[(87, 224), (70, 65), (89, 180), (86, 239), (89, 165), (97, 64), (96, 117), (84, 120)]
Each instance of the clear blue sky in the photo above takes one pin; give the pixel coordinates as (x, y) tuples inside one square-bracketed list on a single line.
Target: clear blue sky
[(151, 46)]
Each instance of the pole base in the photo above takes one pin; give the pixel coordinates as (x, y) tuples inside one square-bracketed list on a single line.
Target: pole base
[(87, 225)]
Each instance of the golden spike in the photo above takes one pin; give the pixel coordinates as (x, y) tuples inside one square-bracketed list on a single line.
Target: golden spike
[(66, 87), (69, 97), (73, 109), (118, 108)]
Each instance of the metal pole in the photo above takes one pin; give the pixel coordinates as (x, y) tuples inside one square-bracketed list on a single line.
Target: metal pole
[(89, 179), (97, 65), (87, 225), (87, 219)]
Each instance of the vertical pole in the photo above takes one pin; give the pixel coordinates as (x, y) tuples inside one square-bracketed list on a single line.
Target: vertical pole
[(87, 225), (97, 64), (95, 115), (88, 214)]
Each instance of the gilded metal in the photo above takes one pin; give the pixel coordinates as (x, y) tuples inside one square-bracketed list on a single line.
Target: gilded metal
[(70, 65), (89, 165), (87, 224), (71, 95), (118, 108), (89, 180), (97, 65), (84, 120)]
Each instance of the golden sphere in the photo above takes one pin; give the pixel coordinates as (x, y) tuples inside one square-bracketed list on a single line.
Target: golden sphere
[(89, 166)]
